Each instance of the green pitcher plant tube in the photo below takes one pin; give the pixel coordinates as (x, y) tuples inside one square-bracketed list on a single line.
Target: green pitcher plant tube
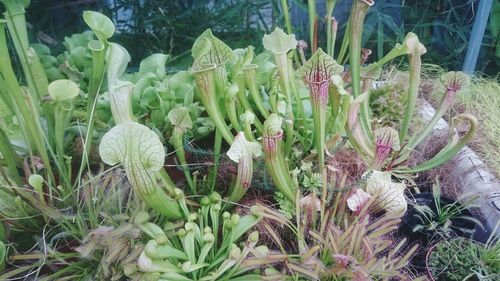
[(340, 101), (12, 160), (279, 43), (62, 93), (249, 72), (133, 145), (356, 23), (242, 152), (180, 120), (32, 68), (454, 82), (272, 142), (155, 64), (397, 51), (415, 51), (455, 144), (311, 8), (360, 141), (239, 79), (3, 255), (330, 32), (247, 119), (204, 76), (103, 28), (334, 98), (24, 107), (230, 97), (209, 68), (209, 50)]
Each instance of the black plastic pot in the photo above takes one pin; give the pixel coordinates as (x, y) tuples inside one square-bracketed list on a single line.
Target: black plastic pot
[(461, 227)]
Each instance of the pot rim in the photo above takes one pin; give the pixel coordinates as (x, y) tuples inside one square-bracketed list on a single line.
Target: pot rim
[(427, 267), (427, 256)]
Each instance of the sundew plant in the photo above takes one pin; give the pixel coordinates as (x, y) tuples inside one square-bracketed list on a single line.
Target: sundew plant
[(113, 174)]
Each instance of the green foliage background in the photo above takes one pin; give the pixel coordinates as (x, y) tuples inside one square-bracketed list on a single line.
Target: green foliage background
[(170, 26)]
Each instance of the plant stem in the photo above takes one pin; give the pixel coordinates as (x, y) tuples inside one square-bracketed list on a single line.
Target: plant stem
[(411, 100), (452, 149), (356, 136), (206, 82), (232, 114), (9, 155), (330, 6), (445, 105), (240, 81), (334, 97), (345, 44), (177, 140), (249, 73), (217, 150), (283, 69), (288, 23), (296, 94), (358, 13), (311, 8), (98, 66), (28, 116), (276, 164)]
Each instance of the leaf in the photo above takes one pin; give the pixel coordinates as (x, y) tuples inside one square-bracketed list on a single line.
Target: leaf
[(14, 7), (3, 234), (100, 24), (278, 42), (3, 255), (40, 49), (96, 46), (387, 137), (455, 80), (208, 49), (338, 82), (77, 40), (179, 117), (36, 181), (120, 92), (242, 148), (155, 63), (63, 90), (390, 195), (117, 59), (147, 264), (174, 276), (132, 145), (414, 47), (120, 100), (247, 117), (319, 68), (272, 125), (357, 200), (265, 68)]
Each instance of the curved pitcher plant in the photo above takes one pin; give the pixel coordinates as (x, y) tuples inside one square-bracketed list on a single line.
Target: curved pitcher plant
[(134, 145), (388, 149)]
